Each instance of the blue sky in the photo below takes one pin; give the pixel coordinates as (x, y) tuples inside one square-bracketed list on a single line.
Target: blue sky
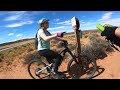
[(16, 25)]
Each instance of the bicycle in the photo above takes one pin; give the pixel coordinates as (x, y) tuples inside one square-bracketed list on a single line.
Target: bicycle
[(75, 69)]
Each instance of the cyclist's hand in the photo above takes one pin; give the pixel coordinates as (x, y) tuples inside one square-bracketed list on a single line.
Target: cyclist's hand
[(60, 34)]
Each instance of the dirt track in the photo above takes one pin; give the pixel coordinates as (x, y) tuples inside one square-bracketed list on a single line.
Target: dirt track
[(109, 69)]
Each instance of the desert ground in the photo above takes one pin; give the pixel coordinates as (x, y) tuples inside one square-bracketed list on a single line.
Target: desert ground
[(12, 65)]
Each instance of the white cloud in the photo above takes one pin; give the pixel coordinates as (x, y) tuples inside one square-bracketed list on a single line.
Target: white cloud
[(19, 24), (16, 15), (10, 34), (19, 35), (15, 40), (88, 23), (18, 12), (106, 16), (114, 21), (83, 16), (54, 32), (38, 12), (60, 27), (82, 21), (67, 22), (56, 20)]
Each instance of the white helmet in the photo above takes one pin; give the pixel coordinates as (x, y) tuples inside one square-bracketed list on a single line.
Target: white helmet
[(43, 20)]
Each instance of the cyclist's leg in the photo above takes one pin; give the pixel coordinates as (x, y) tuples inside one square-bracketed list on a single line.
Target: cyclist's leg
[(58, 61), (49, 54), (45, 54)]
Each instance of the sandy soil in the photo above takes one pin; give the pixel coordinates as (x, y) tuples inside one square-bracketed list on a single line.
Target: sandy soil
[(108, 69)]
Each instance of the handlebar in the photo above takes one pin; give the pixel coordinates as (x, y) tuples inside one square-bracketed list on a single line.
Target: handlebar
[(63, 44)]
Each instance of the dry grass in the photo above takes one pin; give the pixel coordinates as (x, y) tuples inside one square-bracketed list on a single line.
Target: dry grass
[(96, 46), (8, 56), (30, 56)]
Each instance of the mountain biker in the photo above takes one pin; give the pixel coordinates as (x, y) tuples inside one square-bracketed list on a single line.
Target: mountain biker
[(109, 30), (44, 37)]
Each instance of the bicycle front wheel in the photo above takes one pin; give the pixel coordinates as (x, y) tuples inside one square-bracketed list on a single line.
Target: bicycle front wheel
[(37, 70), (85, 70)]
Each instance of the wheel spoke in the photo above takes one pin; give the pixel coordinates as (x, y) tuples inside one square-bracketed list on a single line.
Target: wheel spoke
[(82, 71), (37, 70)]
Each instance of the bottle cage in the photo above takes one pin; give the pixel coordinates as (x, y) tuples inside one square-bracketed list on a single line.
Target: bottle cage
[(112, 43)]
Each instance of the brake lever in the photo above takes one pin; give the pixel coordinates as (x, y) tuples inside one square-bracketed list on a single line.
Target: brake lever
[(64, 32)]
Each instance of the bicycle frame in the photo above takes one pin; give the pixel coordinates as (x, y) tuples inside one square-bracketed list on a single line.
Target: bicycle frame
[(45, 68), (71, 54), (48, 67)]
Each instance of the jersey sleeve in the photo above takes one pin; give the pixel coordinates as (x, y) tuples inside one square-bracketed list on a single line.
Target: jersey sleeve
[(40, 32)]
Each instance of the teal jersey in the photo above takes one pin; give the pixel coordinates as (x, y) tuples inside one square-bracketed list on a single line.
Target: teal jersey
[(42, 44)]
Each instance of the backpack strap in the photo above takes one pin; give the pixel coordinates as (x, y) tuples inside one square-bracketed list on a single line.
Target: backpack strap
[(36, 41), (48, 32)]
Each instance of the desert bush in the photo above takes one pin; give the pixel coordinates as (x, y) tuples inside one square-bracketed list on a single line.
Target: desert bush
[(9, 62), (29, 50), (54, 41), (94, 35), (24, 45), (8, 56), (96, 48), (1, 56), (30, 56), (9, 51), (85, 36), (100, 43)]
